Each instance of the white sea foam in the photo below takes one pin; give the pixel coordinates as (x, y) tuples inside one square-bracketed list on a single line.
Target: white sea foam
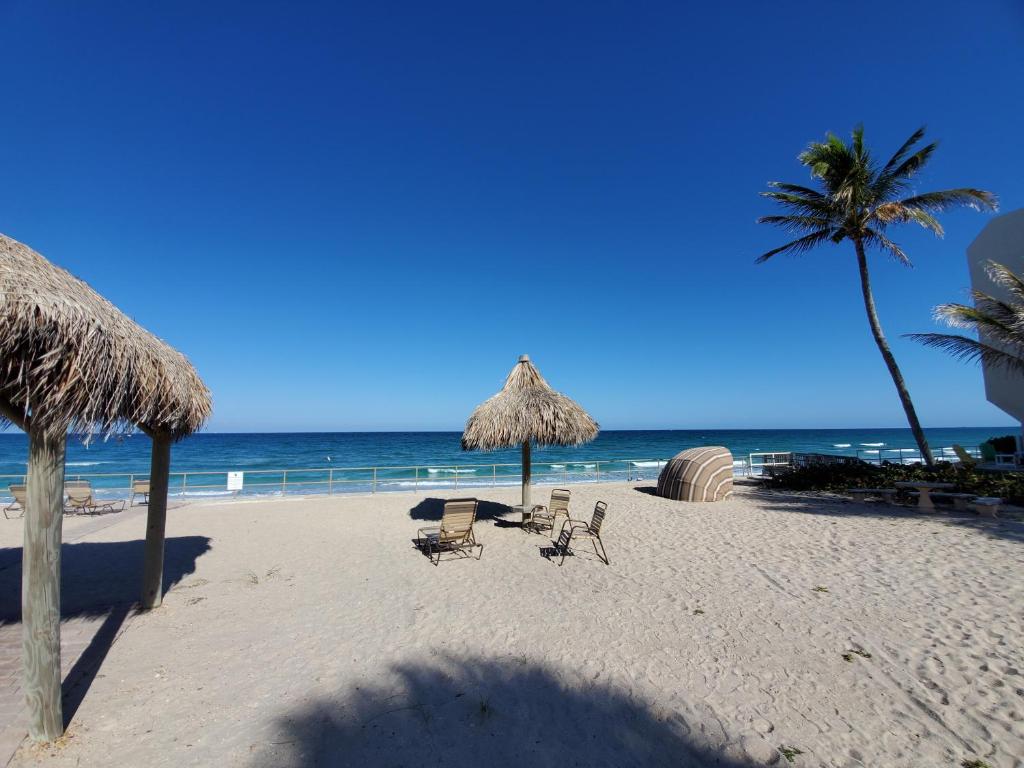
[(449, 471), (585, 466), (840, 445), (870, 451), (647, 463), (445, 483), (873, 445), (557, 466), (82, 463)]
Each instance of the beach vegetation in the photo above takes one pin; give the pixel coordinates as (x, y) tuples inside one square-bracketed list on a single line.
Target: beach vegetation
[(837, 478), (998, 323), (858, 200), (1003, 444), (790, 753)]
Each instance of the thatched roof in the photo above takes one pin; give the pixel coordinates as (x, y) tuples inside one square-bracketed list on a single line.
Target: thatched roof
[(70, 359), (527, 408)]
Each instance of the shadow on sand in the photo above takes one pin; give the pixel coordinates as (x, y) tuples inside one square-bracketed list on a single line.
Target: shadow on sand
[(473, 711), (98, 580), (837, 506), (97, 575), (432, 509)]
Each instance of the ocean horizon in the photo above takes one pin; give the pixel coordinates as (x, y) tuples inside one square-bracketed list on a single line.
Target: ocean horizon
[(316, 462)]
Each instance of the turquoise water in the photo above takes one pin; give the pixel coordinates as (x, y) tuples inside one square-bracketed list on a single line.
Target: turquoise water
[(322, 462)]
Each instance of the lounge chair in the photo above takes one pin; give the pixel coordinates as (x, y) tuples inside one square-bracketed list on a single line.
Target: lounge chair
[(579, 529), (966, 460), (140, 488), (545, 516), (80, 499), (455, 534), (18, 505)]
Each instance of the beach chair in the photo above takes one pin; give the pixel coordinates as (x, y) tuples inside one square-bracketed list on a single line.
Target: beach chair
[(80, 500), (140, 487), (455, 534), (966, 460), (18, 505), (544, 516), (579, 529)]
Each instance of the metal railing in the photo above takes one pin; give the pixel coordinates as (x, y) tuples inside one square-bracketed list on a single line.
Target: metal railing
[(909, 455), (333, 480)]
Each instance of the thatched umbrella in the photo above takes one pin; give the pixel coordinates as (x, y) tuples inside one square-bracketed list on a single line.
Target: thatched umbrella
[(70, 360), (527, 410)]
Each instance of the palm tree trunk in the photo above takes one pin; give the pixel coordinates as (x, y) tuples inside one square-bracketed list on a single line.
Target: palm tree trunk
[(890, 360)]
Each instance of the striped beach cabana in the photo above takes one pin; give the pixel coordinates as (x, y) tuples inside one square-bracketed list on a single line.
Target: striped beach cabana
[(698, 474), (70, 361), (527, 411)]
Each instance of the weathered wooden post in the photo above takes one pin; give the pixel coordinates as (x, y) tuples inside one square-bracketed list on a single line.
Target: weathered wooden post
[(526, 476), (40, 583), (156, 521)]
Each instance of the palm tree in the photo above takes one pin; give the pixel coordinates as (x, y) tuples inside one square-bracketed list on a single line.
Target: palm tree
[(858, 201), (999, 324)]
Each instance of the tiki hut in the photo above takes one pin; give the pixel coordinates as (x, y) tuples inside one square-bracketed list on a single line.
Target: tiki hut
[(71, 361), (527, 410)]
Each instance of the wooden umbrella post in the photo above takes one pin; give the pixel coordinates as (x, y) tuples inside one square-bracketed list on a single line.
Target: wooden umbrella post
[(40, 584), (156, 521), (526, 477)]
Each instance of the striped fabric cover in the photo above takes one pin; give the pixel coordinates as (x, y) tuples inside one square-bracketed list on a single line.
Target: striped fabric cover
[(698, 474)]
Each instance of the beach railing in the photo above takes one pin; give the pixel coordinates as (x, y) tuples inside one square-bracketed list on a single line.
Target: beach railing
[(334, 480), (910, 455)]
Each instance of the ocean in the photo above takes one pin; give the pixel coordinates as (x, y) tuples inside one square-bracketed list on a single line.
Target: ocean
[(340, 462)]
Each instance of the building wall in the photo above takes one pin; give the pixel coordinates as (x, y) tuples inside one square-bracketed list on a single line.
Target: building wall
[(1002, 240)]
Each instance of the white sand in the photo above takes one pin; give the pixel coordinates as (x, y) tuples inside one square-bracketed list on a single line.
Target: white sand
[(312, 634)]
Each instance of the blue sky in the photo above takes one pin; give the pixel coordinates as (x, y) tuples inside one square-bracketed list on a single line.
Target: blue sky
[(357, 216)]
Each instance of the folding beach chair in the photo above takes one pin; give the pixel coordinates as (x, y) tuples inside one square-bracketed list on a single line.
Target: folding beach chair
[(18, 505), (966, 460), (545, 516), (80, 499), (455, 534), (140, 487), (579, 529)]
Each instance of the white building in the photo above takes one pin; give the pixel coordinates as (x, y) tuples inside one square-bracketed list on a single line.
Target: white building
[(1002, 240)]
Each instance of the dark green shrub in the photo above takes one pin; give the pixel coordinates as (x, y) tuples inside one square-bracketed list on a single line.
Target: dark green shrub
[(1004, 444), (837, 478)]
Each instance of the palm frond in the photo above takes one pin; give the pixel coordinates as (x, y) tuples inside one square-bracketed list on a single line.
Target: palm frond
[(800, 205), (970, 350), (796, 223), (897, 213), (800, 245), (901, 153), (874, 237), (1002, 275), (912, 164), (937, 202), (796, 189)]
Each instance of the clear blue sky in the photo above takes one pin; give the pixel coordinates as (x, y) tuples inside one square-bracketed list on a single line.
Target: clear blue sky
[(357, 216)]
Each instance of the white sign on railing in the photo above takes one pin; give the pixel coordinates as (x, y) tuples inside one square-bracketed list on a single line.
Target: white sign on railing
[(235, 480)]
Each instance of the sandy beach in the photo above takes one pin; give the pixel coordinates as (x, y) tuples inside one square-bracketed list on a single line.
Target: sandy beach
[(310, 632)]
